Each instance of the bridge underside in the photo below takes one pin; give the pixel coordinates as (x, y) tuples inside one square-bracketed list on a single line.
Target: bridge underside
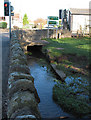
[(37, 42)]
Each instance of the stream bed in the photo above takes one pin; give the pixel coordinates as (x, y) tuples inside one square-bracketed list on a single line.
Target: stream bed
[(44, 80)]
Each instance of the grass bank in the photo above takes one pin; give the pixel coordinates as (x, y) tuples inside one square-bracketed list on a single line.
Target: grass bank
[(72, 56), (70, 51)]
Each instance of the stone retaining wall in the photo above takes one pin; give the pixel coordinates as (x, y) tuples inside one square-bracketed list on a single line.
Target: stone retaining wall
[(35, 37), (41, 34), (37, 34), (22, 96)]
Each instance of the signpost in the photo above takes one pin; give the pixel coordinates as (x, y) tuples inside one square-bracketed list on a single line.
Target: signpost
[(51, 21)]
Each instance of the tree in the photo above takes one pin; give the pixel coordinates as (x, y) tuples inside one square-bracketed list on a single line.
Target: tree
[(40, 22), (25, 20)]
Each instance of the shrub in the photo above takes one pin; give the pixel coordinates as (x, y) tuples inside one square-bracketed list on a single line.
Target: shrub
[(3, 25)]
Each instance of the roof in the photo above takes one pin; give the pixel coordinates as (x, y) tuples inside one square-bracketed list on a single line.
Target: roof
[(76, 11)]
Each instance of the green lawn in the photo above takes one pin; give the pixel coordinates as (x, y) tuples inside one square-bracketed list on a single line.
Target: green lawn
[(79, 46), (70, 52)]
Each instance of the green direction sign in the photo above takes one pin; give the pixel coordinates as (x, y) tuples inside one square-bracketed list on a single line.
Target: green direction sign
[(12, 14), (53, 17), (53, 22)]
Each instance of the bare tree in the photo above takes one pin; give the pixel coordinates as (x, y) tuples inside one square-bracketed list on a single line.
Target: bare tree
[(40, 22)]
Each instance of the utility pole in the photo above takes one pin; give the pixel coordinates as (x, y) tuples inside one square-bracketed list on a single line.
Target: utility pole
[(10, 20)]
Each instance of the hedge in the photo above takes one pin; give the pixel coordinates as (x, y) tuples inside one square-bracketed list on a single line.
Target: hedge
[(3, 25)]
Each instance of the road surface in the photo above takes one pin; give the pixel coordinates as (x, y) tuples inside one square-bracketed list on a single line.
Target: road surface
[(4, 68)]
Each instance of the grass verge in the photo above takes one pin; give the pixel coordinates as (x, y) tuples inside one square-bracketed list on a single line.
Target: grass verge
[(71, 55)]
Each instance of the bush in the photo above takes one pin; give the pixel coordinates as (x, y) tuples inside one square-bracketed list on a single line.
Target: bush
[(3, 25)]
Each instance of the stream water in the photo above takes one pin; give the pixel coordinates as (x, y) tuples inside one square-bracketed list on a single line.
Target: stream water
[(44, 82)]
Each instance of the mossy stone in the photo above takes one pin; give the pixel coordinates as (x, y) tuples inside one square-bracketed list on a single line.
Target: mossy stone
[(19, 68), (21, 100), (22, 85), (14, 76)]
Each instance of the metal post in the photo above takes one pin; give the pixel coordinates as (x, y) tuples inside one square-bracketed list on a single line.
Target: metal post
[(10, 20), (48, 32), (56, 32), (53, 31)]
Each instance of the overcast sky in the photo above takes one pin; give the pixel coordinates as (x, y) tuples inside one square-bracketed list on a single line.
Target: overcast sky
[(43, 8)]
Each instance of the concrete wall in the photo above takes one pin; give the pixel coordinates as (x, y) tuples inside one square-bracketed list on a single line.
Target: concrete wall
[(22, 96)]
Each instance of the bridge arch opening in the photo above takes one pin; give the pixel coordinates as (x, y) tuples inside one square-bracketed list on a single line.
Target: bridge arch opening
[(34, 48)]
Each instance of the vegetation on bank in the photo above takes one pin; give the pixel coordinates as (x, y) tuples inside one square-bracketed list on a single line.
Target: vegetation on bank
[(71, 55), (66, 97)]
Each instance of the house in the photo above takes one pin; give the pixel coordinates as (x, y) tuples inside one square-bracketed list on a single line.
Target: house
[(79, 20), (17, 20), (76, 20)]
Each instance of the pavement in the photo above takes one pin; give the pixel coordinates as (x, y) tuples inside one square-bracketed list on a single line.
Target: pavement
[(4, 68)]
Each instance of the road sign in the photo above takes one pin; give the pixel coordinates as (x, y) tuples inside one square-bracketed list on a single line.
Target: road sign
[(12, 14), (53, 20)]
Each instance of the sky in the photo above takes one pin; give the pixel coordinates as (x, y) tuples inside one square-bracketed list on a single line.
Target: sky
[(43, 8)]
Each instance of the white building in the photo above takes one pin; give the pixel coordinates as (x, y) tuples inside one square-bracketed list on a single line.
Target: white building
[(17, 20), (79, 20)]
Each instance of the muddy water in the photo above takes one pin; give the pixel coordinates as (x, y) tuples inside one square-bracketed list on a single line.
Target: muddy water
[(44, 82)]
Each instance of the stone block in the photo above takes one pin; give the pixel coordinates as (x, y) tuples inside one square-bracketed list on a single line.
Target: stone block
[(17, 51), (14, 76), (21, 85), (59, 72), (25, 114), (21, 100), (17, 62), (13, 41), (16, 56), (19, 68), (16, 48)]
